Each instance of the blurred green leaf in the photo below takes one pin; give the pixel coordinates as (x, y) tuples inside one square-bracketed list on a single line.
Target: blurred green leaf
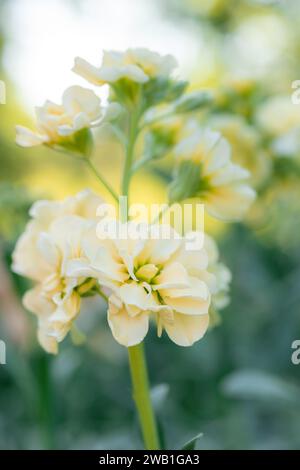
[(159, 395), (260, 385)]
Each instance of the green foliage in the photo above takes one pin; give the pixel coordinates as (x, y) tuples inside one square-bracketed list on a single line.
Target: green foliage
[(191, 445), (14, 206)]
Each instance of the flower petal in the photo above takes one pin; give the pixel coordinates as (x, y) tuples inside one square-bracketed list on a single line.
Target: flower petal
[(127, 330), (184, 330), (27, 138), (229, 202)]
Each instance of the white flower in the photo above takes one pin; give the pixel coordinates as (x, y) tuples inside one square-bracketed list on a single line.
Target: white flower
[(150, 277), (26, 259), (222, 184), (219, 286), (56, 298), (56, 124), (245, 145), (55, 316), (280, 118), (278, 115), (138, 65), (51, 241)]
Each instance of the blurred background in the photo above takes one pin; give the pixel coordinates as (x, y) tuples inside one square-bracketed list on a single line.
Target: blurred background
[(238, 386)]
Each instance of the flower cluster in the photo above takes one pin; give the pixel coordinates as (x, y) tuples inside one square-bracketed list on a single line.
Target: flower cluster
[(67, 126), (145, 278), (205, 169), (138, 65), (52, 239)]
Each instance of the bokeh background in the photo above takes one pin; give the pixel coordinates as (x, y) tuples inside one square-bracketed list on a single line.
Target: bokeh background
[(238, 385)]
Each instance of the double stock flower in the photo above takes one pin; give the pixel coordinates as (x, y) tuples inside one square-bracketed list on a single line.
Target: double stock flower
[(147, 278)]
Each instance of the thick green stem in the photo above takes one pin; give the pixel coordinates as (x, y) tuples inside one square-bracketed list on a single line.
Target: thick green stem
[(102, 180), (141, 396)]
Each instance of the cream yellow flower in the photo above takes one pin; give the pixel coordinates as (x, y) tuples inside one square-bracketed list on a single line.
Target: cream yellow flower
[(58, 124), (137, 65), (280, 119), (207, 172), (56, 298), (150, 276), (245, 144), (51, 241), (220, 282), (281, 106), (55, 315), (43, 213)]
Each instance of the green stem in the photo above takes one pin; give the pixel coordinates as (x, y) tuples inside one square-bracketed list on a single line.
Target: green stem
[(133, 132), (141, 396), (140, 163), (102, 180), (137, 362)]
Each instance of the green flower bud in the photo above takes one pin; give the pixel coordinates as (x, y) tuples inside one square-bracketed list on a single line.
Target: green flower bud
[(162, 90), (80, 144), (186, 182), (193, 102)]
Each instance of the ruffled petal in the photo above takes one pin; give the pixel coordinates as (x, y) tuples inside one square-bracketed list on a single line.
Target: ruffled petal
[(127, 330), (185, 330)]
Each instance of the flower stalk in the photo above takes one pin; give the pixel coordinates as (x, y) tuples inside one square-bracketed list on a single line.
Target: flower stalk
[(141, 396), (134, 118), (136, 354), (102, 180)]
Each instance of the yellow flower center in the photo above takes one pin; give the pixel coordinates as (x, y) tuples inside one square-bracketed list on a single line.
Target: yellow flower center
[(147, 272)]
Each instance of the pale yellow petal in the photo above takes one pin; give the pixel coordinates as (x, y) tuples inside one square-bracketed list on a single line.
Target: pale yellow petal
[(27, 138), (185, 330), (229, 202), (127, 330)]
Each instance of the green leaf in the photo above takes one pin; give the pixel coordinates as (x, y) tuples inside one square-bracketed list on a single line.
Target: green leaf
[(191, 445), (159, 394), (262, 386)]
